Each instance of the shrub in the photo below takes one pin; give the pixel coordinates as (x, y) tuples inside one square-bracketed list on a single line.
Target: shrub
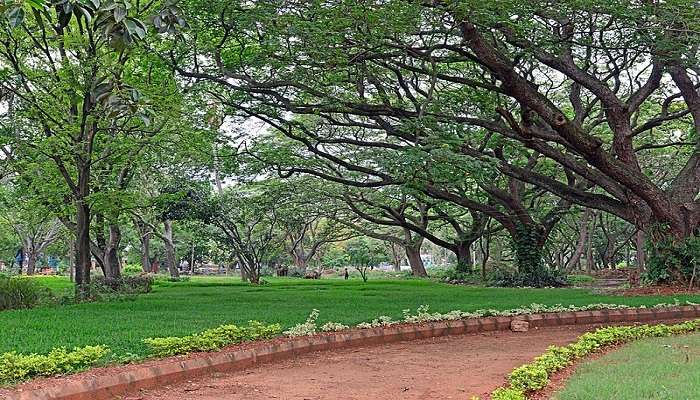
[(211, 339), (547, 278), (17, 367), (132, 269), (20, 292), (455, 276), (579, 279)]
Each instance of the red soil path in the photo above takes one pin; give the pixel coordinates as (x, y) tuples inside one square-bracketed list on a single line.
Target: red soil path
[(454, 367)]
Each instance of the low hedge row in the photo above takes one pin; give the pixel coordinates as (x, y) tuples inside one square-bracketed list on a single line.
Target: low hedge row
[(211, 339), (18, 367), (535, 376)]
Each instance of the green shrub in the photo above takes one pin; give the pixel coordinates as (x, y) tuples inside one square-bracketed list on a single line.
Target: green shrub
[(507, 394), (18, 367), (211, 339), (132, 269), (545, 278), (454, 276), (20, 292), (535, 376), (579, 279)]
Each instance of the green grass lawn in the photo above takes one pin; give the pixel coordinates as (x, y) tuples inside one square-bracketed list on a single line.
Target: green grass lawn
[(651, 369), (187, 307)]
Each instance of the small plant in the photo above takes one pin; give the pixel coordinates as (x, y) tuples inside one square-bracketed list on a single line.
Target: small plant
[(333, 327), (211, 339), (307, 328), (18, 367)]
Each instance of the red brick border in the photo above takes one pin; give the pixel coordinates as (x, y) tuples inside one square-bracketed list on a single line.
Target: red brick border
[(110, 387)]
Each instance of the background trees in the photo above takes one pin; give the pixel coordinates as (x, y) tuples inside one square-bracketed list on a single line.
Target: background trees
[(551, 136)]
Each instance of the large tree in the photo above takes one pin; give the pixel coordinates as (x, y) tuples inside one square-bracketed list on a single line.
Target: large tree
[(596, 89)]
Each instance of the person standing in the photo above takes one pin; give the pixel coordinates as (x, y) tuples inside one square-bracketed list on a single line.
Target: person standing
[(347, 275)]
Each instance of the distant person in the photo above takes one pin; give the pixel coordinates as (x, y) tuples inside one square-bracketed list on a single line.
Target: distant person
[(347, 275)]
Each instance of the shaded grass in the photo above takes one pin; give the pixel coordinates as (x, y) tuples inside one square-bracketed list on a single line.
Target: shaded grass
[(182, 308), (650, 369)]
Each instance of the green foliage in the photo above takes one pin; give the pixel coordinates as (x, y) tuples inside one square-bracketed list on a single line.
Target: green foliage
[(17, 367), (454, 275), (507, 394), (579, 279), (211, 339), (132, 269), (672, 260), (545, 278), (535, 376), (20, 292)]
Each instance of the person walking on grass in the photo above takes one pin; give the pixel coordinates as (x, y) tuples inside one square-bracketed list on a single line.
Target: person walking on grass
[(347, 275)]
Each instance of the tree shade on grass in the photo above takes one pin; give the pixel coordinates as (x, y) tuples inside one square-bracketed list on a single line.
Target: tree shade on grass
[(178, 309), (661, 368)]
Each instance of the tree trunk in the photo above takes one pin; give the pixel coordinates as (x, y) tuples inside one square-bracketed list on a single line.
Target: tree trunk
[(31, 262), (300, 261), (465, 261), (111, 257), (582, 240), (169, 243), (414, 259), (146, 252), (83, 258), (396, 257), (641, 255)]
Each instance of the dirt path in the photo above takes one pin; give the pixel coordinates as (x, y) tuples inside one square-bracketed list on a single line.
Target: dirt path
[(455, 367)]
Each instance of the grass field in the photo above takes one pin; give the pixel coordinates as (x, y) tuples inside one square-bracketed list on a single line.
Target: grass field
[(651, 369), (186, 307)]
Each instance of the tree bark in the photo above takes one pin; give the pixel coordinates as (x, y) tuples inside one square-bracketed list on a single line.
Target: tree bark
[(463, 251), (581, 244), (83, 257), (641, 255), (31, 262), (169, 243), (414, 259), (111, 257)]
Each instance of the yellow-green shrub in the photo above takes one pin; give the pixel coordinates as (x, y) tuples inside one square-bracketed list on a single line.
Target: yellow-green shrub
[(211, 339), (17, 367)]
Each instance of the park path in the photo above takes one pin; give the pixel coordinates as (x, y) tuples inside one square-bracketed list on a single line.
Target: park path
[(453, 367)]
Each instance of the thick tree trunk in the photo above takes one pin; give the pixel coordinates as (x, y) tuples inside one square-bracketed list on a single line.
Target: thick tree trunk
[(301, 261), (111, 256), (169, 243), (465, 261), (414, 260), (31, 262)]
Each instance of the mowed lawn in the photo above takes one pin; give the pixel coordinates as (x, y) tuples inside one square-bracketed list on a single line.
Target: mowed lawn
[(175, 309), (651, 369)]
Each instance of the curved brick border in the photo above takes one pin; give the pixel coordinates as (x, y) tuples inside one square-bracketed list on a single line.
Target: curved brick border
[(109, 387)]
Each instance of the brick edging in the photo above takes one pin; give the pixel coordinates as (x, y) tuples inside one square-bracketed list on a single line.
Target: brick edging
[(109, 387)]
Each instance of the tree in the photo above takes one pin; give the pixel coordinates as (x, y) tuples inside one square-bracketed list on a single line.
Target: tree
[(575, 85), (73, 75)]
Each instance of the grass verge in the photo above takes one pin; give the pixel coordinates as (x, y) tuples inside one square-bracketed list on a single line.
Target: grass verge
[(653, 369)]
